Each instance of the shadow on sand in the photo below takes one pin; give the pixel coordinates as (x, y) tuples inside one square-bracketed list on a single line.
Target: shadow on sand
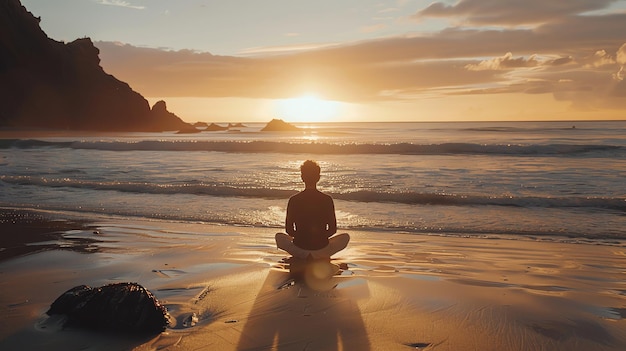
[(307, 306)]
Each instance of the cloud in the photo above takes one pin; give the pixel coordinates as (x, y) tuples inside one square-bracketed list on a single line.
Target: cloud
[(508, 62), (504, 62), (285, 49), (575, 58), (621, 55), (388, 10), (120, 3), (373, 28), (621, 60), (510, 12), (560, 61), (587, 86), (600, 58), (603, 58)]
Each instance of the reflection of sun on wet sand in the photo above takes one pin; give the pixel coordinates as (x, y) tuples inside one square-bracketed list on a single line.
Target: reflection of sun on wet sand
[(393, 292)]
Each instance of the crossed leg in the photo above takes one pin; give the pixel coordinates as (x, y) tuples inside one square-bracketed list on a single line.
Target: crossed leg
[(336, 243)]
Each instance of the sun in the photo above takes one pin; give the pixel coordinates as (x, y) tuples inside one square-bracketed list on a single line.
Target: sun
[(307, 108)]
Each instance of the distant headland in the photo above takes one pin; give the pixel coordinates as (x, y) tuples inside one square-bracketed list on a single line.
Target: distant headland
[(54, 85)]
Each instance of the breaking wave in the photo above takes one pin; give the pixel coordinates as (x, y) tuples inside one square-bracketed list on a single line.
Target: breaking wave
[(407, 197), (325, 148)]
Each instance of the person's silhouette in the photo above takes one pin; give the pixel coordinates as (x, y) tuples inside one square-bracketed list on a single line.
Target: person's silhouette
[(310, 222)]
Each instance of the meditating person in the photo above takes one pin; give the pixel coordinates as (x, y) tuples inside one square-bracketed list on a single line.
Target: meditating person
[(310, 222)]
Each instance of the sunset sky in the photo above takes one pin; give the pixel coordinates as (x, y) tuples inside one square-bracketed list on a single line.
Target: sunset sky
[(359, 60)]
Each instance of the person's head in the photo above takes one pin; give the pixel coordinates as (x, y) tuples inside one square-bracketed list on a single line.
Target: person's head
[(310, 172)]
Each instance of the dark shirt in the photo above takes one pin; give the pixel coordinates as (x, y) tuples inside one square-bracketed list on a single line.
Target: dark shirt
[(311, 219)]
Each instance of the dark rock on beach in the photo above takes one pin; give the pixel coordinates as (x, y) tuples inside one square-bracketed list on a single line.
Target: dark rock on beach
[(127, 307), (49, 84), (278, 125)]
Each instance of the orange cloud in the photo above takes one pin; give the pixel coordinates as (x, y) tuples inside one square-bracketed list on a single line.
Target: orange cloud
[(504, 62), (574, 58), (510, 12), (621, 60)]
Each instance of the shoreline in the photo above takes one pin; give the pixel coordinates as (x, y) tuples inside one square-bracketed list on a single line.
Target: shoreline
[(398, 291), (26, 231)]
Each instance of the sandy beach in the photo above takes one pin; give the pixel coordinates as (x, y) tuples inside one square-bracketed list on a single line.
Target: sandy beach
[(393, 291), (475, 154)]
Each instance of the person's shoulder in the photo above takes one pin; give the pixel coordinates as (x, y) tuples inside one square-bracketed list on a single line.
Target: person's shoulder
[(328, 197), (296, 196)]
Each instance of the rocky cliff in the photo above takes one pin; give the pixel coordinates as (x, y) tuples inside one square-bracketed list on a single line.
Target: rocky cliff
[(49, 84)]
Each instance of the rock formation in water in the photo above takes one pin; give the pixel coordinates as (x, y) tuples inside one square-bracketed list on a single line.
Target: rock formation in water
[(49, 84), (188, 130), (278, 125), (127, 307), (200, 125), (215, 128)]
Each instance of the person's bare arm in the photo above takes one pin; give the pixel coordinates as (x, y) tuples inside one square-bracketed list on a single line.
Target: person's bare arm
[(332, 220), (289, 221)]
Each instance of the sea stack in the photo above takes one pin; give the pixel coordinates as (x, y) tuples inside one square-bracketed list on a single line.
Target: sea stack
[(278, 125)]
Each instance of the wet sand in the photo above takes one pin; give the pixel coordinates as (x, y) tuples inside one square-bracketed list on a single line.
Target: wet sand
[(393, 291)]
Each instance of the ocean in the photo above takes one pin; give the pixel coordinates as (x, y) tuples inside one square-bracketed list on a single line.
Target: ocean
[(560, 181)]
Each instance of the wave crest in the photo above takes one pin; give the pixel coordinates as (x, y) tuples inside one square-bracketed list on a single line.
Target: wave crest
[(321, 148), (407, 197)]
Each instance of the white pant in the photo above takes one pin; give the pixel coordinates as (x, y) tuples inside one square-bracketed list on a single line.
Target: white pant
[(336, 243)]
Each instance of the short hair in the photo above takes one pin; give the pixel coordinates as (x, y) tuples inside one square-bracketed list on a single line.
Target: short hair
[(310, 171)]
